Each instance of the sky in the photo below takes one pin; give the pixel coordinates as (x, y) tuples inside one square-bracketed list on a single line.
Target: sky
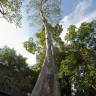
[(72, 12), (14, 37), (76, 12)]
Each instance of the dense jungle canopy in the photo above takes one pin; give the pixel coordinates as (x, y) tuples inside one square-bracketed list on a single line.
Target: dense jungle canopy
[(63, 67)]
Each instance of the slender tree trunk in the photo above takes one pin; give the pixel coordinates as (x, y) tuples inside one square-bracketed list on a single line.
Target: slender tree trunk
[(68, 86), (47, 83)]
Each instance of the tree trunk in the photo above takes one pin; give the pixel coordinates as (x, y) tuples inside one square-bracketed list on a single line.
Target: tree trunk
[(47, 83)]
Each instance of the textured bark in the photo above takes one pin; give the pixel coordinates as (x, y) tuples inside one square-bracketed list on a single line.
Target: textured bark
[(47, 83)]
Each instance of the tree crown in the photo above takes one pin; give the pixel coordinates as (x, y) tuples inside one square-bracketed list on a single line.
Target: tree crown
[(50, 9)]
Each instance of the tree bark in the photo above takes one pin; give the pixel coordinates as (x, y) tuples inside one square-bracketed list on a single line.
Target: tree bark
[(47, 83)]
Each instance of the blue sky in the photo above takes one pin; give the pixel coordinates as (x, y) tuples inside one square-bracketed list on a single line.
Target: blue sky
[(69, 5), (77, 12), (73, 12)]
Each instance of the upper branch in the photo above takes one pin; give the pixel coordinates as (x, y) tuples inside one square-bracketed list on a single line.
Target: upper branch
[(2, 11)]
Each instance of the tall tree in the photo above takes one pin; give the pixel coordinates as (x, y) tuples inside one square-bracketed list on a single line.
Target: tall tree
[(47, 83), (38, 47)]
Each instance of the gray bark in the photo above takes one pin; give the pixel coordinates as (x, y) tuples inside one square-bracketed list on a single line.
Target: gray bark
[(47, 83)]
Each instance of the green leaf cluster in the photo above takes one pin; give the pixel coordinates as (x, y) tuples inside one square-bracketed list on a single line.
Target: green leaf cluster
[(11, 10), (16, 77)]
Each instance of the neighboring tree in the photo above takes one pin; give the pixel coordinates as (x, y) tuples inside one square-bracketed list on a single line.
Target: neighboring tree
[(16, 78), (47, 83), (80, 63), (10, 10)]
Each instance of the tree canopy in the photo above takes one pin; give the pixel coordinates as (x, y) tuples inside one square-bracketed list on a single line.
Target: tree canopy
[(16, 78), (11, 10), (49, 9), (75, 60)]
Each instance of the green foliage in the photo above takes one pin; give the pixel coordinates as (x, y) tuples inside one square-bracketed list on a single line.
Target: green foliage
[(71, 35), (11, 10), (84, 30), (83, 34), (75, 60), (16, 78), (58, 45), (38, 46), (30, 46), (41, 36), (79, 62), (50, 9)]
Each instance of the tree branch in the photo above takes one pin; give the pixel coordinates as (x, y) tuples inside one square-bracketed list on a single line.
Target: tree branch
[(2, 10)]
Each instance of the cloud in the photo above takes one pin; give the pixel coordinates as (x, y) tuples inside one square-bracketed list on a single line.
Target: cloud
[(78, 15), (12, 37)]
